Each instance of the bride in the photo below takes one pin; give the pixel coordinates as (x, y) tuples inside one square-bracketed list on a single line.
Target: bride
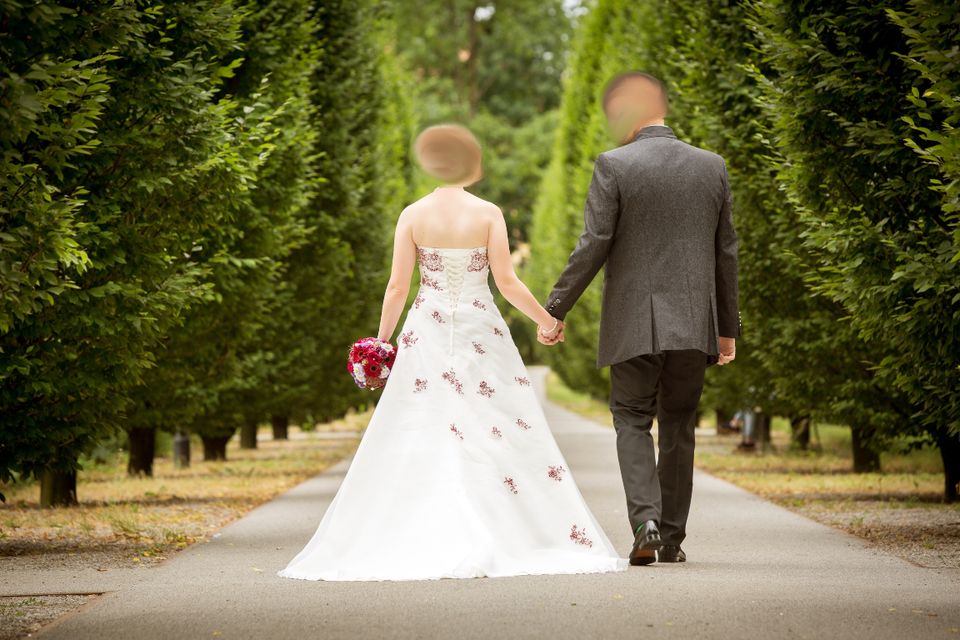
[(457, 474)]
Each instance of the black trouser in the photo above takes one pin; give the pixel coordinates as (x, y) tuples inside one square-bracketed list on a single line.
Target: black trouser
[(667, 386)]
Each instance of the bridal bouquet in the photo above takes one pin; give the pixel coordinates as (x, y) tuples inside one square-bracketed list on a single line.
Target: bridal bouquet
[(370, 361)]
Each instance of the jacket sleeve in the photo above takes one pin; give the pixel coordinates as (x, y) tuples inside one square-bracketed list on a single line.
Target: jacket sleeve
[(728, 313), (600, 217)]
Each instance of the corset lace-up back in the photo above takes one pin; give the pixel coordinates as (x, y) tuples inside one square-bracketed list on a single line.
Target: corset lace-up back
[(446, 275)]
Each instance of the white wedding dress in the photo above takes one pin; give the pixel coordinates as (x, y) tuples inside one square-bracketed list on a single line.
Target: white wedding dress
[(457, 474)]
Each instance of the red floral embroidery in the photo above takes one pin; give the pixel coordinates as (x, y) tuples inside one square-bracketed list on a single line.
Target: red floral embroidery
[(479, 305), (427, 281), (523, 382), (436, 316), (498, 332), (407, 339), (478, 260), (578, 536), (495, 432), (451, 377), (418, 301), (478, 348), (455, 431), (511, 485), (419, 385), (431, 260), (556, 472), (523, 425), (485, 389)]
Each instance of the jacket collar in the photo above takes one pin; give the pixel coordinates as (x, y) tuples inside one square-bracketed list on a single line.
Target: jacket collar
[(654, 131)]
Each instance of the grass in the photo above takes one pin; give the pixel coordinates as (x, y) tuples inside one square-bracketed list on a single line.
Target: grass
[(124, 520), (899, 508), (827, 464), (576, 401)]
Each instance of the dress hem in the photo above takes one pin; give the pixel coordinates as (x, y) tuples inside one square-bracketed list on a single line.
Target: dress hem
[(621, 564)]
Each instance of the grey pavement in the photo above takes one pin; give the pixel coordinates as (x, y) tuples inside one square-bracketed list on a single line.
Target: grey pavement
[(755, 570)]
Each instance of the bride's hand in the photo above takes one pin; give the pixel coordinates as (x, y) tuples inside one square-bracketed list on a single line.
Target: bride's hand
[(551, 336)]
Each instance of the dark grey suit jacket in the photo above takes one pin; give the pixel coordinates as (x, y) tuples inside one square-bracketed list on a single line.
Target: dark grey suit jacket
[(659, 215)]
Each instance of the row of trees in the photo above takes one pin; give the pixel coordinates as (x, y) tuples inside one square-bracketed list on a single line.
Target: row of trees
[(196, 204), (837, 122)]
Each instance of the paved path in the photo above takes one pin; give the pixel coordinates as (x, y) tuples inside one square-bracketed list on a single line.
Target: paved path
[(756, 571)]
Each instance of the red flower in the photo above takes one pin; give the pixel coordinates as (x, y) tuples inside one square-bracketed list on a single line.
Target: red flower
[(369, 362)]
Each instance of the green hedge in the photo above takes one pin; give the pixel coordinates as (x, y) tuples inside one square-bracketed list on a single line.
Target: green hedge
[(111, 201), (195, 214)]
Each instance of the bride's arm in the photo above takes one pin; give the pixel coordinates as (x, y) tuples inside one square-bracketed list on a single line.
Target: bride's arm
[(512, 288), (395, 297)]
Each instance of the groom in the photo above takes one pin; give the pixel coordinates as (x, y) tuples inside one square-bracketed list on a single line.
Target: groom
[(658, 215)]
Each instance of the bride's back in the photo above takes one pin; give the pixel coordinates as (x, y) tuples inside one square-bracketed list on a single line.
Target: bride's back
[(451, 217)]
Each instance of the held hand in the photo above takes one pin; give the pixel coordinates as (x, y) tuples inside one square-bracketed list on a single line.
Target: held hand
[(550, 342), (728, 350), (551, 336)]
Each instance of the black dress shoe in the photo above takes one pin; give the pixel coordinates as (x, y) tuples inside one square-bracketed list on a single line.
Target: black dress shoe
[(671, 553), (646, 544)]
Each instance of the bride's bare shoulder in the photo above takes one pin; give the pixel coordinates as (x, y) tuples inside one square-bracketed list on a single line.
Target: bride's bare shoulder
[(484, 206), (419, 204)]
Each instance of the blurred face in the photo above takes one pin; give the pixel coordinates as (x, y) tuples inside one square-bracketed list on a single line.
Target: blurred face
[(450, 153), (633, 103)]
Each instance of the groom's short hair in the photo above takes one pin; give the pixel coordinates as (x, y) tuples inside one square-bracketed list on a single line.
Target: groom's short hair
[(620, 78)]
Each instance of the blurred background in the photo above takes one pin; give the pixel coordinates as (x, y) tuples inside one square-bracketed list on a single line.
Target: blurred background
[(198, 199)]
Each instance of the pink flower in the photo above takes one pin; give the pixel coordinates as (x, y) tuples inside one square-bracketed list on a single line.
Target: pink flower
[(579, 536)]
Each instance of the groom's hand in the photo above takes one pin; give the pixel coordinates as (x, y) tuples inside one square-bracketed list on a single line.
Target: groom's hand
[(728, 350)]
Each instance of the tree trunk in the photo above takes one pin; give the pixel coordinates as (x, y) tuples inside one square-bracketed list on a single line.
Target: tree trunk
[(142, 444), (248, 434), (950, 454), (58, 488), (865, 460), (800, 432), (280, 425), (763, 431), (723, 418), (215, 447), (181, 450)]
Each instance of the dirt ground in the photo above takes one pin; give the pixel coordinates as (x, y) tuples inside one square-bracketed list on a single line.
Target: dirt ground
[(123, 522), (21, 617)]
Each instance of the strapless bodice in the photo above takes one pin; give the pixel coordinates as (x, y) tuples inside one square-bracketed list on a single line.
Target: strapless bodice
[(454, 287), (449, 272)]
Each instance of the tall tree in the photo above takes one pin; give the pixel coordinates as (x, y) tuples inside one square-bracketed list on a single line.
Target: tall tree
[(504, 58), (361, 178), (800, 357), (932, 30), (211, 363), (71, 359), (882, 230)]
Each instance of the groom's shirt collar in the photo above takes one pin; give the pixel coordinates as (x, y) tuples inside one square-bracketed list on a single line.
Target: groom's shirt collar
[(655, 131)]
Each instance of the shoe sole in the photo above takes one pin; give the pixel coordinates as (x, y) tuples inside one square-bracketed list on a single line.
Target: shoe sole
[(646, 552), (643, 557)]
